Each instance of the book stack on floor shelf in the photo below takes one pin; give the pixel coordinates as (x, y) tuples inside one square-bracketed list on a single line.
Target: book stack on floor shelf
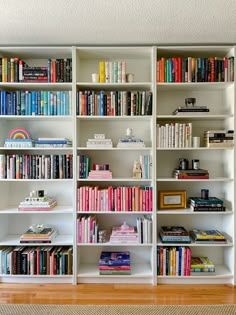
[(201, 264), (114, 263)]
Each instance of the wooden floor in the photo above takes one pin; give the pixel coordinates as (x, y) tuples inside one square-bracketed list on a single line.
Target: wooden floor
[(116, 294)]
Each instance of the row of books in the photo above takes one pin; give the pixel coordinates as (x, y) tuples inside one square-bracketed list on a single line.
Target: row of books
[(193, 69), (121, 198), (112, 71), (173, 261), (218, 138), (29, 260), (83, 167), (16, 70), (178, 234), (35, 103), (178, 261), (114, 103), (35, 166), (114, 263), (88, 231), (174, 135)]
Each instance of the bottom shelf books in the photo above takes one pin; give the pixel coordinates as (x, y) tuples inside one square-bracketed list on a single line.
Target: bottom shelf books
[(202, 264), (114, 263), (49, 260), (173, 261)]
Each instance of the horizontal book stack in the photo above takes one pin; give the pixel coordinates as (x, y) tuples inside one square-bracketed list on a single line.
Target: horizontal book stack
[(174, 135), (37, 204), (121, 198), (191, 174), (201, 264), (30, 166), (130, 143), (114, 103), (46, 235), (114, 263), (191, 110), (124, 234), (35, 103), (52, 143), (174, 234), (193, 69), (207, 236), (173, 261), (47, 260), (219, 138), (209, 204), (100, 174)]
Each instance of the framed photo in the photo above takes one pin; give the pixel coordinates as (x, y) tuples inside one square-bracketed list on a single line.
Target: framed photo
[(171, 199)]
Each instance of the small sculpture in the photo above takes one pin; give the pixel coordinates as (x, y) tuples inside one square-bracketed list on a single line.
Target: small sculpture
[(137, 172)]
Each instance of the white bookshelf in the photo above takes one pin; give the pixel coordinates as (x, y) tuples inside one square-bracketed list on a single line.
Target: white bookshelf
[(14, 223), (141, 61), (220, 162)]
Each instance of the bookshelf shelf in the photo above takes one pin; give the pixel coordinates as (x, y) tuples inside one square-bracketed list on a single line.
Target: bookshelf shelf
[(60, 240), (204, 86), (55, 210), (138, 270)]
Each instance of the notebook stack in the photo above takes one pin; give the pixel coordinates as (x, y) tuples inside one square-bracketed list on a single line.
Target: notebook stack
[(114, 263)]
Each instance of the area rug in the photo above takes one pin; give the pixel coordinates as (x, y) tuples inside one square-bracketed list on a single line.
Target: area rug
[(38, 309)]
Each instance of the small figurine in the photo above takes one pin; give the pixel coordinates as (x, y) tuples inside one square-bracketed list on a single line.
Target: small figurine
[(137, 172)]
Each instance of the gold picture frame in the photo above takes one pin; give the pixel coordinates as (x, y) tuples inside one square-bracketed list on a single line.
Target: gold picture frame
[(171, 199)]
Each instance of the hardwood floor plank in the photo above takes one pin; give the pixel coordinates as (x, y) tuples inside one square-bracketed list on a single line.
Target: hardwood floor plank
[(116, 294)]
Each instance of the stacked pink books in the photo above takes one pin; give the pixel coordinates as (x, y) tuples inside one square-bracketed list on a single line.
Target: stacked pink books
[(124, 234), (100, 174)]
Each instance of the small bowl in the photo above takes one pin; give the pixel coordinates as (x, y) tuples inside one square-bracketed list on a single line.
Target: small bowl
[(37, 228)]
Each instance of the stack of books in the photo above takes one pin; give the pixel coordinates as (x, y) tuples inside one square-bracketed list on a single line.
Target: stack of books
[(100, 174), (130, 143), (114, 263), (52, 142), (219, 138), (191, 174), (201, 264), (210, 204), (99, 141), (207, 236), (44, 236), (124, 234), (191, 110), (174, 234), (37, 204)]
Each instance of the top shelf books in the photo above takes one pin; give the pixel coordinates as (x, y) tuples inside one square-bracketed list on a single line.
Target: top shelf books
[(195, 69), (15, 69)]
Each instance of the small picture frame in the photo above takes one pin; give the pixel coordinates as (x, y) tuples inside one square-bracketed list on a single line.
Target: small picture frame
[(172, 199)]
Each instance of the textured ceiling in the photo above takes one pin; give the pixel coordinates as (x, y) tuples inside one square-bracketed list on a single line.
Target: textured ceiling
[(111, 22)]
